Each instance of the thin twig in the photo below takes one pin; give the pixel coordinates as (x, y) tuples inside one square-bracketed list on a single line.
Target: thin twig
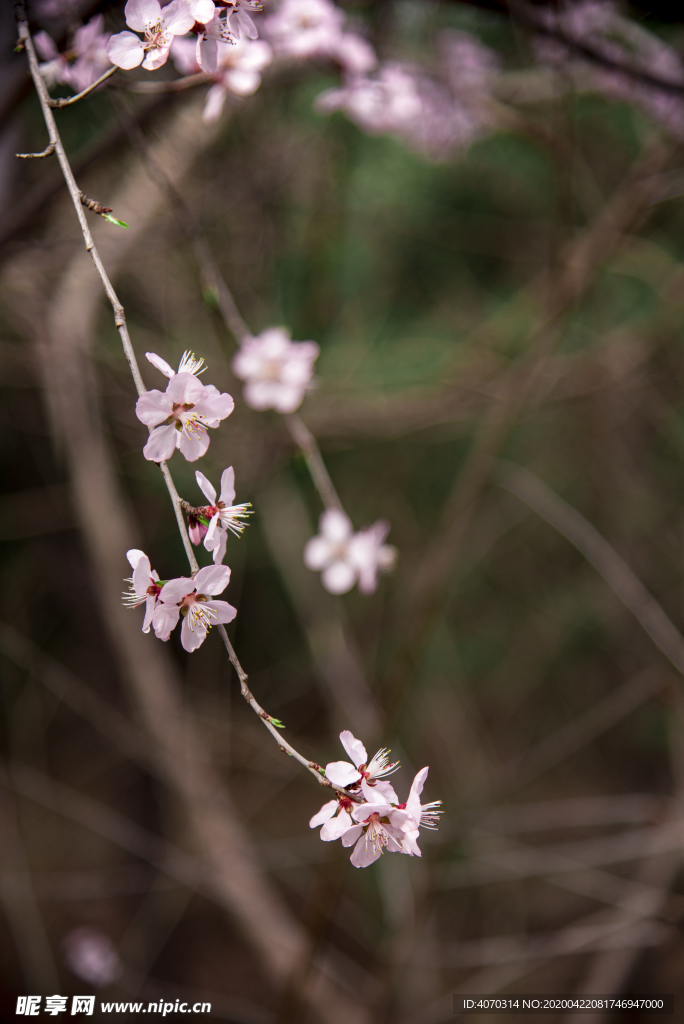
[(625, 584), (304, 439), (120, 321), (48, 151), (68, 101)]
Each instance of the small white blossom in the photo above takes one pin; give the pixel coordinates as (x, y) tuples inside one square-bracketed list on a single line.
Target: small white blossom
[(368, 775)]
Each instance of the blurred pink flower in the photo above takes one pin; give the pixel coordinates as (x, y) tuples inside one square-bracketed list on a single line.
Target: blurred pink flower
[(158, 25), (433, 115), (91, 956), (189, 598), (223, 514), (145, 585), (304, 28), (181, 414), (82, 63), (277, 371), (344, 557)]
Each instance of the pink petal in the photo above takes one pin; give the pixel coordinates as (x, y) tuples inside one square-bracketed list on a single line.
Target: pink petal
[(178, 17), (336, 827), (361, 812), (211, 540), (214, 405), (215, 100), (175, 590), (156, 58), (326, 811), (142, 12), (338, 578), (247, 25), (317, 553), (341, 773), (185, 389), (228, 486), (153, 407), (365, 852), (354, 748), (351, 835), (45, 45), (207, 55), (221, 610), (161, 445), (220, 547), (164, 620), (160, 364), (212, 579), (288, 398), (192, 638), (335, 526), (206, 488), (125, 50), (150, 605), (202, 11), (193, 446), (134, 556), (141, 576)]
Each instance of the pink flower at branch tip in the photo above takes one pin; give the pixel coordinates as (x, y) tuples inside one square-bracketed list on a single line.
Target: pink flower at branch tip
[(91, 956), (223, 515), (380, 823), (344, 557), (181, 415), (277, 371), (82, 63), (145, 585), (158, 25), (190, 599), (364, 774)]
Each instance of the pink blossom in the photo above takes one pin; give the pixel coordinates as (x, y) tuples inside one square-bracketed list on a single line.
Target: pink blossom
[(181, 414), (145, 586), (91, 956), (335, 818), (220, 29), (158, 25), (380, 827), (304, 28), (344, 557), (277, 371), (223, 515), (190, 598), (82, 63), (189, 364), (369, 775)]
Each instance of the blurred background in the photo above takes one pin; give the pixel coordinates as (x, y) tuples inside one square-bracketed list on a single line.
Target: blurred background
[(497, 288)]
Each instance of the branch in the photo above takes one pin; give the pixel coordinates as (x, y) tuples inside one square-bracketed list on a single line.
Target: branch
[(624, 583), (120, 321), (68, 101)]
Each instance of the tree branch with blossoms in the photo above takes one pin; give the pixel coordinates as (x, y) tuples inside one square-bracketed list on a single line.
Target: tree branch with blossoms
[(180, 418)]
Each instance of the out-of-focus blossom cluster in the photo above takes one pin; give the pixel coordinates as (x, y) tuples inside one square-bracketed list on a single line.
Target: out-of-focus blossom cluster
[(344, 558), (434, 115), (82, 63), (315, 28), (277, 371), (91, 956), (368, 815), (599, 25)]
